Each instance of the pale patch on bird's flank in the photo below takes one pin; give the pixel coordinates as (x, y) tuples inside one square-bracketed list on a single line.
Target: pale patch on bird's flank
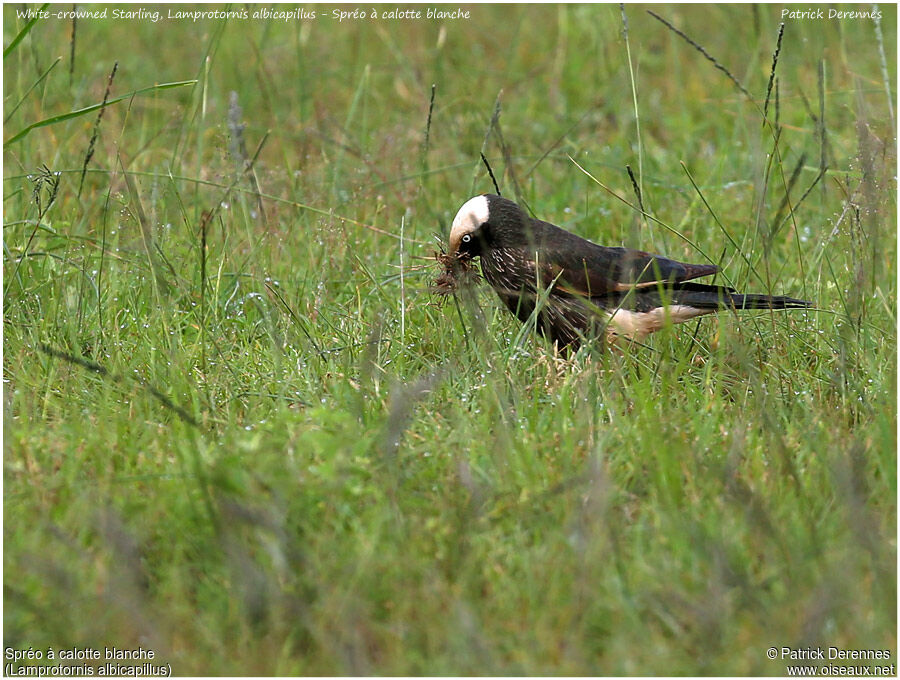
[(637, 325), (471, 215)]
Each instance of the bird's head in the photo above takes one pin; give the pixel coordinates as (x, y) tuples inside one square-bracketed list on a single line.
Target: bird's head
[(470, 227), (479, 221)]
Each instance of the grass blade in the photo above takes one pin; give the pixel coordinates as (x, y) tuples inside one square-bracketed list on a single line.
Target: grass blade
[(772, 73), (647, 215), (721, 226), (28, 91), (639, 185), (25, 30), (146, 232), (702, 51), (96, 132), (93, 107)]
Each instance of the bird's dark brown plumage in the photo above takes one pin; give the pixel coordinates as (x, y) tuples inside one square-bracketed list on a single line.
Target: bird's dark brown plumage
[(588, 289)]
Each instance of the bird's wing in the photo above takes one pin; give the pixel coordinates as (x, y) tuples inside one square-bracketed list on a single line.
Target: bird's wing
[(587, 269)]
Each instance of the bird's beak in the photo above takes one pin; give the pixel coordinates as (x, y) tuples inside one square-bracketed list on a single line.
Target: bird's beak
[(454, 245)]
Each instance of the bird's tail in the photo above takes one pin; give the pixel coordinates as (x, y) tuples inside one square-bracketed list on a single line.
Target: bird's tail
[(754, 301), (702, 296)]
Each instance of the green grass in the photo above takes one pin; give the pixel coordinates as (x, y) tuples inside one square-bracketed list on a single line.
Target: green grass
[(276, 456)]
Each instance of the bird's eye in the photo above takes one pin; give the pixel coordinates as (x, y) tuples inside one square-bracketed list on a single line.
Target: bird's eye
[(466, 238)]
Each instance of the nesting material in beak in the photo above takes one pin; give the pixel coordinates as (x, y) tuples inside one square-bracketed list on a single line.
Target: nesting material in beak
[(457, 272)]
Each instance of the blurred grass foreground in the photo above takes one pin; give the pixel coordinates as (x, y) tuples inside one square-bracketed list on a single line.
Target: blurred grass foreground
[(240, 433)]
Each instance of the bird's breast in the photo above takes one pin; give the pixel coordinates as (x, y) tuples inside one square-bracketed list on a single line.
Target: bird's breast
[(507, 268)]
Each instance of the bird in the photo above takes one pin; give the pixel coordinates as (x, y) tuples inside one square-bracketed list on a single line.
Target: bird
[(583, 290)]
